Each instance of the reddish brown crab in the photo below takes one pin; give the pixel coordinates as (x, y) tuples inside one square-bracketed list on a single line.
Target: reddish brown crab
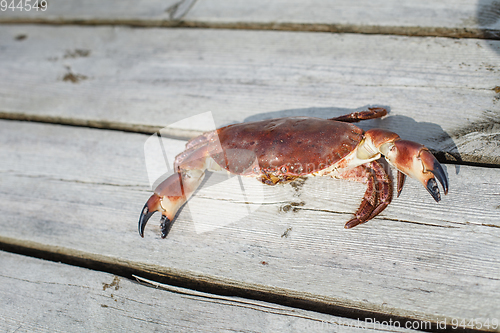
[(279, 150)]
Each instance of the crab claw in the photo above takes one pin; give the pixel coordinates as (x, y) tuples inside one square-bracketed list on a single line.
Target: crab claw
[(154, 205), (151, 206), (168, 198), (415, 160), (431, 165)]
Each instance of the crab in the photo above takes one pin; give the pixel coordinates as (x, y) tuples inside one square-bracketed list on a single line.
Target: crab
[(277, 151)]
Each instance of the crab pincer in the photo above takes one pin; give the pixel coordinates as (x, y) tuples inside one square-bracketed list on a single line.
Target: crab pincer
[(416, 161), (153, 205)]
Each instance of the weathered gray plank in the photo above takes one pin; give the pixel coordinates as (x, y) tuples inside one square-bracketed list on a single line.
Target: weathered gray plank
[(80, 191), (441, 92), (471, 18), (43, 296)]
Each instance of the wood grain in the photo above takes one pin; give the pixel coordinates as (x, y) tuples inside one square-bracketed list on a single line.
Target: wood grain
[(80, 191), (44, 296), (440, 92), (470, 18)]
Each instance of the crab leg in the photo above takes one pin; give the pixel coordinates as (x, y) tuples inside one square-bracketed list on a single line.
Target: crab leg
[(378, 193), (173, 192), (355, 117)]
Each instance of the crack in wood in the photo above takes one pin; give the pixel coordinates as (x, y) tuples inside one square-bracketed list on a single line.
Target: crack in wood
[(141, 187), (232, 301), (44, 282), (172, 133)]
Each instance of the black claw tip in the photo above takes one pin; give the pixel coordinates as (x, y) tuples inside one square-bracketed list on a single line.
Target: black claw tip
[(433, 189), (166, 224), (401, 182), (441, 176), (143, 219)]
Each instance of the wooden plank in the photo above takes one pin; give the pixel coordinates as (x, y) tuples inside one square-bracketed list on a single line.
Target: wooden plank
[(471, 18), (44, 296), (440, 92), (79, 192)]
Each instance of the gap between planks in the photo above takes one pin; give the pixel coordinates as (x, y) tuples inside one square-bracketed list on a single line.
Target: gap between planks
[(170, 132), (415, 31)]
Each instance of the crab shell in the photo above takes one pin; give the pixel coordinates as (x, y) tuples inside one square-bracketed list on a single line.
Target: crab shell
[(286, 148)]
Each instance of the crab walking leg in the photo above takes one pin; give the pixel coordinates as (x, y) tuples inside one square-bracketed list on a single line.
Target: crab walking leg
[(173, 192), (378, 194), (384, 188), (355, 117)]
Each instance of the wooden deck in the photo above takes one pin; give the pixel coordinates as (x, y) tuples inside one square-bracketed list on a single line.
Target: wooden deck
[(85, 84)]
